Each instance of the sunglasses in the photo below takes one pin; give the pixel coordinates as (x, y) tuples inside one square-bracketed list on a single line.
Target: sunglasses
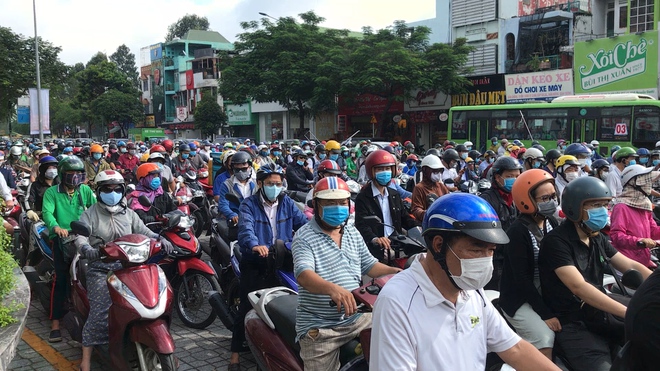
[(117, 189)]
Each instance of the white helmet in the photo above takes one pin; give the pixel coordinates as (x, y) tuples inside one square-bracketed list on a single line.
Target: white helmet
[(632, 171), (657, 144), (108, 177), (262, 146), (433, 162), (533, 153), (227, 154), (16, 150), (468, 144)]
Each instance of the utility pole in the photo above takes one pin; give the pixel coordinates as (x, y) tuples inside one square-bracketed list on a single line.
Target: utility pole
[(36, 52)]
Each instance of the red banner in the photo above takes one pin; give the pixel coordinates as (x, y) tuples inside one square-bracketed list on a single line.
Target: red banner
[(190, 80), (368, 104)]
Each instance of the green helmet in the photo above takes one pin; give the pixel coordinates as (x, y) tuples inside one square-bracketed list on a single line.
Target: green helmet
[(70, 163), (577, 192), (626, 152)]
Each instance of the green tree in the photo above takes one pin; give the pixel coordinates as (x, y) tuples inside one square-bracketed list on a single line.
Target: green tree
[(186, 23), (98, 58), (125, 61), (280, 62), (394, 61), (209, 116), (116, 105)]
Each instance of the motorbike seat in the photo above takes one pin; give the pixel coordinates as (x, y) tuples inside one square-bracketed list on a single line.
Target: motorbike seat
[(281, 311), (237, 252)]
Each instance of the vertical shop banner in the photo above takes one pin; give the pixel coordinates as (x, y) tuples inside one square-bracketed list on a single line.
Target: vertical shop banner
[(624, 64), (542, 85), (34, 111)]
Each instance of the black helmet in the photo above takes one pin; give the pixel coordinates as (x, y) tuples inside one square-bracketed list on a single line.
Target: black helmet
[(461, 148), (552, 155), (474, 154), (449, 155), (539, 147), (112, 146), (269, 169), (505, 163), (183, 147), (433, 151), (319, 148), (389, 149), (579, 191), (241, 157), (490, 153)]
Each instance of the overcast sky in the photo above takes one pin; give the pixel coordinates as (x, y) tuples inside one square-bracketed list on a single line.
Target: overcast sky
[(83, 27)]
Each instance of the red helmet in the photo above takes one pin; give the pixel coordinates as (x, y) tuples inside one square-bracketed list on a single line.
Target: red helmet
[(412, 157), (157, 148), (329, 166), (331, 188), (168, 145), (379, 158)]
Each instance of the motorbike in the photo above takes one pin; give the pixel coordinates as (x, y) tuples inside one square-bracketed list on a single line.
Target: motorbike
[(185, 199), (13, 216), (39, 268), (140, 314), (270, 328), (191, 278), (226, 302)]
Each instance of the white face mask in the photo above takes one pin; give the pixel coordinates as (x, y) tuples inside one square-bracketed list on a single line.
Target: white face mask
[(436, 177), (571, 176), (475, 273)]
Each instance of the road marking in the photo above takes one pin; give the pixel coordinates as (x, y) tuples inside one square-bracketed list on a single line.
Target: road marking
[(57, 360)]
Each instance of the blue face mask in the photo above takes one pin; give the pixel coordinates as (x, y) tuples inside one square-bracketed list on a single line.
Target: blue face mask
[(643, 160), (155, 183), (97, 156), (631, 163), (110, 199), (464, 155), (656, 162), (185, 155), (193, 153), (344, 154), (334, 215), (263, 153), (491, 160), (277, 153), (410, 164), (322, 156), (301, 162), (508, 184), (384, 177), (597, 218), (123, 150), (334, 157), (468, 148), (272, 192), (537, 165)]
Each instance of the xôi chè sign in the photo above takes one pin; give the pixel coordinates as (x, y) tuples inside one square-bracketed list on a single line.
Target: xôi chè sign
[(627, 63), (542, 85)]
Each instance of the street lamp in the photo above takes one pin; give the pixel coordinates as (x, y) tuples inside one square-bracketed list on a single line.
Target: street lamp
[(36, 52), (266, 15)]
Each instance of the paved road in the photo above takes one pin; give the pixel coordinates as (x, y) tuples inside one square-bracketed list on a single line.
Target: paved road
[(196, 349)]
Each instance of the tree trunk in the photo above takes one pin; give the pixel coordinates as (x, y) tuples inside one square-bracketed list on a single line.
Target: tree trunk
[(383, 118), (301, 116)]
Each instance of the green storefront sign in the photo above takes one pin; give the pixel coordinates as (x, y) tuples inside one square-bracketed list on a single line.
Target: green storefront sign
[(239, 114), (624, 64)]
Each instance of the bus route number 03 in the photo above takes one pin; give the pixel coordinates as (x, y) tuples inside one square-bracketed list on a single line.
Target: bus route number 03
[(621, 129)]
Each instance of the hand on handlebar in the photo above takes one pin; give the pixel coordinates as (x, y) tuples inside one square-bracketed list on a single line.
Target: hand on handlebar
[(61, 232), (383, 242), (235, 221), (646, 242), (32, 215), (261, 250), (343, 297)]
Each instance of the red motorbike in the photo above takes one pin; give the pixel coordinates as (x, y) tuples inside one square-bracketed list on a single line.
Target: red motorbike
[(270, 329), (140, 314), (193, 280)]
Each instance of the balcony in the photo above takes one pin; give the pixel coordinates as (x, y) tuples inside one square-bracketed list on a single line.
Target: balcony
[(171, 88), (578, 7), (171, 64), (539, 63)]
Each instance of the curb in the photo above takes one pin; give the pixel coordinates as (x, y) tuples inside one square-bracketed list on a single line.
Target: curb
[(10, 336)]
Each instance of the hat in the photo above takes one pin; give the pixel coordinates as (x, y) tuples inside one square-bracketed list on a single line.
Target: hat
[(40, 152)]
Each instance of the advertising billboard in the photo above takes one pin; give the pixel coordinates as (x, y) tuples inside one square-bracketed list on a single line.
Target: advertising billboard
[(541, 85), (623, 64)]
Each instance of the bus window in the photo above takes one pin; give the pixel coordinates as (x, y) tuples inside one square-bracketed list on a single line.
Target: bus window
[(616, 124), (589, 130), (547, 124), (508, 124), (459, 125), (647, 124)]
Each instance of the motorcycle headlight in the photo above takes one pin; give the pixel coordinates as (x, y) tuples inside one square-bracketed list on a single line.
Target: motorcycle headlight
[(162, 281), (121, 288), (137, 252), (186, 222)]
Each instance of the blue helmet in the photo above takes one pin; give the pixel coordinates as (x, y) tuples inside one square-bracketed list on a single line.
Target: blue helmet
[(192, 146), (614, 149), (575, 149), (465, 213), (643, 152), (121, 143), (269, 169)]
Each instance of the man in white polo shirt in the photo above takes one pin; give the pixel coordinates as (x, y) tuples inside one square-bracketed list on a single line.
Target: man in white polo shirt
[(435, 315)]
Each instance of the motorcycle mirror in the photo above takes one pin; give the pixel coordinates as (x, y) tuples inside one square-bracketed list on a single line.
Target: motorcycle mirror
[(81, 228), (144, 201), (174, 220), (310, 203), (632, 279), (232, 198)]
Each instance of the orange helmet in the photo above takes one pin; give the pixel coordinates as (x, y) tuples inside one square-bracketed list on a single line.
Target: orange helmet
[(523, 187), (146, 169), (379, 158), (95, 148)]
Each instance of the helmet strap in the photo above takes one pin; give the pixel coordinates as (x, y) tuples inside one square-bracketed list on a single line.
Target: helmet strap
[(588, 230), (441, 258)]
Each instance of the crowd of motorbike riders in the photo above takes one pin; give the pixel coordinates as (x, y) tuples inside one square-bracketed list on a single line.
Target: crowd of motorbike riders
[(540, 226)]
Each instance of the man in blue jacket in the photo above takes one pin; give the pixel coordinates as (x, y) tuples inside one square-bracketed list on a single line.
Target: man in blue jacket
[(266, 216)]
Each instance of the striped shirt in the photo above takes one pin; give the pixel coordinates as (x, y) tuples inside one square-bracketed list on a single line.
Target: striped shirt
[(314, 250), (535, 247)]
